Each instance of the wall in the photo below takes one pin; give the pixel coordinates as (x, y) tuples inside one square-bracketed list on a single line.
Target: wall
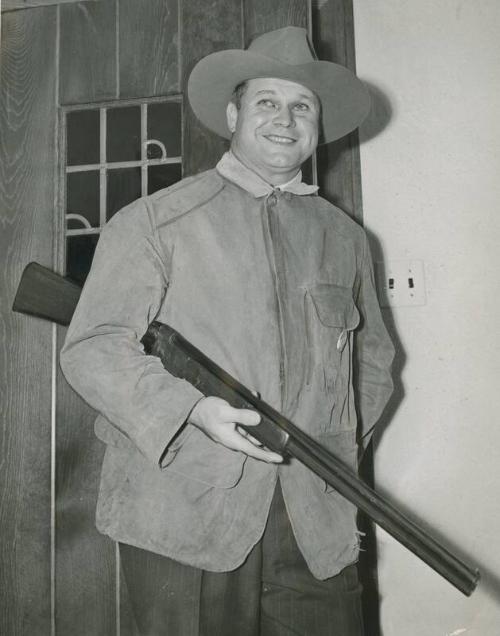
[(430, 160)]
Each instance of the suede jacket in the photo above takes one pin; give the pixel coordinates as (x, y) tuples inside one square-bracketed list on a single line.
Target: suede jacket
[(276, 286)]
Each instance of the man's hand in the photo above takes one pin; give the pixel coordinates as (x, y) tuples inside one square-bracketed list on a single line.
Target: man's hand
[(219, 420)]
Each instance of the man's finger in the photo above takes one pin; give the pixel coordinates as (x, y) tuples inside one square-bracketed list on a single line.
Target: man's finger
[(254, 440), (245, 446), (241, 416), (247, 435)]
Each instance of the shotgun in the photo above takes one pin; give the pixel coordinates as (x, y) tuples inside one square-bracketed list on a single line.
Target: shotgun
[(48, 295)]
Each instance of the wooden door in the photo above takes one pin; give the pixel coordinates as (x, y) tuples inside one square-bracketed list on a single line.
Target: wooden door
[(57, 574)]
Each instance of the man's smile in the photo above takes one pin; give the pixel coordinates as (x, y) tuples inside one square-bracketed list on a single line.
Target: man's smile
[(279, 139)]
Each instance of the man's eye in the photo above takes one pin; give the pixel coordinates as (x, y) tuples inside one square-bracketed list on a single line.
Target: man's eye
[(302, 107), (267, 103)]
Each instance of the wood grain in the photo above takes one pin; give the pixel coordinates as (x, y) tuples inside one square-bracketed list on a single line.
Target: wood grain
[(85, 563), (148, 46), (203, 32), (88, 52), (8, 5), (27, 155), (128, 626), (339, 173), (262, 16)]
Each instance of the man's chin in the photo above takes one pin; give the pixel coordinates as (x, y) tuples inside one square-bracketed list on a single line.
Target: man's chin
[(283, 164), (282, 156)]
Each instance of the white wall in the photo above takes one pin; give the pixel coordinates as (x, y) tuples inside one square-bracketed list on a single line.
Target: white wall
[(431, 191)]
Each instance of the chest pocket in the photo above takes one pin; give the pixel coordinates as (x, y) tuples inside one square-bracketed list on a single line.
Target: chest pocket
[(331, 316), (335, 306)]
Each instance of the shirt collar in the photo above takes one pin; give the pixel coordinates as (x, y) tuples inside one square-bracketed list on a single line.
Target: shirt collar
[(231, 168)]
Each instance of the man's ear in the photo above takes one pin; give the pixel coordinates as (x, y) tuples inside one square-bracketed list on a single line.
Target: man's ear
[(232, 116)]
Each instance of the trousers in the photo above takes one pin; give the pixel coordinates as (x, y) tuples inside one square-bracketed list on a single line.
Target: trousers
[(272, 593)]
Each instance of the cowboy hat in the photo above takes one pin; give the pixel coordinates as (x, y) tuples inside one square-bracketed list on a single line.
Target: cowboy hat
[(285, 54)]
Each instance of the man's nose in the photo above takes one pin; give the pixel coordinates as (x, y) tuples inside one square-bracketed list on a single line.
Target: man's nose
[(284, 117)]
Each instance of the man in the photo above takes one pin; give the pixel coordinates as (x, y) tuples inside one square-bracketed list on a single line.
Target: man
[(217, 534)]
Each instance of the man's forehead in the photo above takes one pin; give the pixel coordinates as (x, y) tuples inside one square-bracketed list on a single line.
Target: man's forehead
[(277, 85)]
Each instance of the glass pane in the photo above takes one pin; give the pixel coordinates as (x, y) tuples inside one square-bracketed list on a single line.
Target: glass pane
[(162, 176), (82, 137), (164, 124), (82, 197), (124, 186), (79, 254), (123, 138)]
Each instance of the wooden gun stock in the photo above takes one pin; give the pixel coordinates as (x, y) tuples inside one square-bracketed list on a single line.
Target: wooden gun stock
[(47, 295)]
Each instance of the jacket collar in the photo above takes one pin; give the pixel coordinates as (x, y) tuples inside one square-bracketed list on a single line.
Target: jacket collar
[(231, 168)]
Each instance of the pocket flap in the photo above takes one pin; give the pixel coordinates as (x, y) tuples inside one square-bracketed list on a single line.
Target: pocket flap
[(335, 305)]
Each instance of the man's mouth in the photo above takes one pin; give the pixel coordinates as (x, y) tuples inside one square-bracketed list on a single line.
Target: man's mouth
[(278, 139)]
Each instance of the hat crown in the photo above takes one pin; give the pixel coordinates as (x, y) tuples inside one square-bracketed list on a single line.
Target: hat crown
[(289, 45)]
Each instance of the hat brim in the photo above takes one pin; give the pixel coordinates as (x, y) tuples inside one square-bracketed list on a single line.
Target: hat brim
[(344, 99)]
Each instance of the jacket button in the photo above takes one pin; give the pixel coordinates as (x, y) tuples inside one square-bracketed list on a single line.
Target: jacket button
[(272, 200), (342, 340)]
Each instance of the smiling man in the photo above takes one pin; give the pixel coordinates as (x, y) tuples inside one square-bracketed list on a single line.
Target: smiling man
[(218, 535), (275, 128)]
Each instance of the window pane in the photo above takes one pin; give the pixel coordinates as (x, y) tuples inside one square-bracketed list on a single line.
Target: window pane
[(124, 186), (79, 254), (164, 124), (162, 176), (123, 134), (82, 197), (82, 137)]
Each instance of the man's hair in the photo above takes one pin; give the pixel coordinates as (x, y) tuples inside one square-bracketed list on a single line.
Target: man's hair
[(238, 93)]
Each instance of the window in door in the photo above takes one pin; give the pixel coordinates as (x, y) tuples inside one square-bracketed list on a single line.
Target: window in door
[(114, 153)]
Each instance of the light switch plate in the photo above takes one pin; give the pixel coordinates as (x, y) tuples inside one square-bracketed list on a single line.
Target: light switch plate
[(401, 283)]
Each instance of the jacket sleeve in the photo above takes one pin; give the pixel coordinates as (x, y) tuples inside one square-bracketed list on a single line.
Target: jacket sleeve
[(103, 358), (374, 353)]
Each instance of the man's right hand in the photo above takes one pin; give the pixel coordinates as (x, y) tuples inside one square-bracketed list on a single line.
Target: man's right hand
[(220, 421)]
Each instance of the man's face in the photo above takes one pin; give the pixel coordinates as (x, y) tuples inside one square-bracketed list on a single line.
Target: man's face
[(276, 128)]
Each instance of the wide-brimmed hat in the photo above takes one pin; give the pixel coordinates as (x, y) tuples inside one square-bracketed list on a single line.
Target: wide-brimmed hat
[(285, 54)]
